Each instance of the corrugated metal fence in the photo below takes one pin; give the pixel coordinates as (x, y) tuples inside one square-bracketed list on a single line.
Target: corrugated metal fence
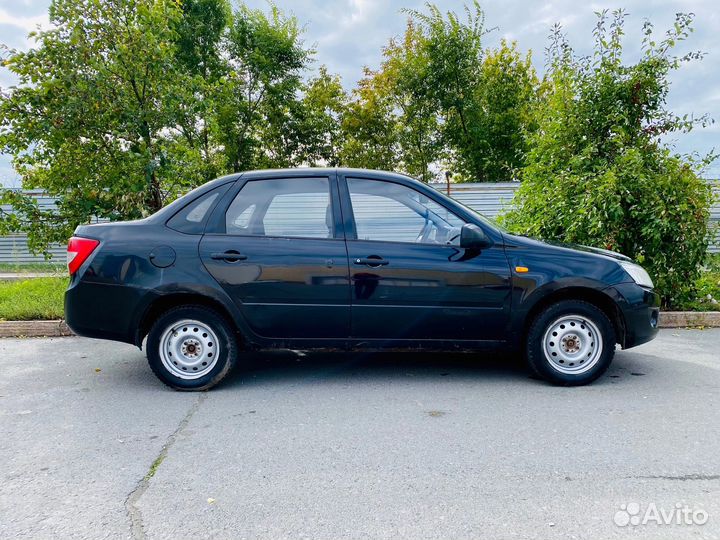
[(14, 248), (487, 198)]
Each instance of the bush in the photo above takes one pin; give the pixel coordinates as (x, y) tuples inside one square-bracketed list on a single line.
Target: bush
[(598, 172), (707, 290)]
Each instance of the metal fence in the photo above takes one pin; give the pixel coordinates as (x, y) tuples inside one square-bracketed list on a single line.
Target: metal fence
[(14, 248), (490, 199)]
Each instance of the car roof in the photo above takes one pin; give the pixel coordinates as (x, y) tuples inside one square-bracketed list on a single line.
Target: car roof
[(309, 171)]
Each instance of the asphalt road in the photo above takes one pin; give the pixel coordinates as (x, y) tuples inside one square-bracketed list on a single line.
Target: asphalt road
[(332, 446)]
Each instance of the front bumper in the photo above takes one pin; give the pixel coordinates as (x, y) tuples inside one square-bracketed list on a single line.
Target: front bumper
[(640, 310)]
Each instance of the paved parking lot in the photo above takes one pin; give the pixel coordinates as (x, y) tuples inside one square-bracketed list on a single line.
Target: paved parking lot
[(335, 446)]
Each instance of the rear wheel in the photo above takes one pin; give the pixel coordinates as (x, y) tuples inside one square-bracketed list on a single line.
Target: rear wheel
[(570, 343), (191, 348)]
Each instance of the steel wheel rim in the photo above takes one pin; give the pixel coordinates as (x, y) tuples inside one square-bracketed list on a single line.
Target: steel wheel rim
[(572, 344), (189, 349)]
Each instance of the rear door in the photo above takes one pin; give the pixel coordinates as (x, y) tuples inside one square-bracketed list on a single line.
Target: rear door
[(410, 278), (280, 254)]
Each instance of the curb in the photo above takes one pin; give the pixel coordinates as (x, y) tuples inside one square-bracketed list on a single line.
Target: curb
[(34, 329), (58, 328), (683, 319)]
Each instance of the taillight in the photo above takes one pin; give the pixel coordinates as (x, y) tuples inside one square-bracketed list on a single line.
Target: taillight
[(78, 250)]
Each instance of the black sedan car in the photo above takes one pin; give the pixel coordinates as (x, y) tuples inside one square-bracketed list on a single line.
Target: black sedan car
[(346, 259)]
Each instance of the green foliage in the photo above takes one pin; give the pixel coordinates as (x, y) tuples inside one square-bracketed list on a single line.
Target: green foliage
[(324, 105), (506, 100), (32, 299), (598, 173), (706, 296), (483, 98), (124, 104), (34, 268), (369, 129), (405, 81), (440, 98), (85, 120), (256, 102)]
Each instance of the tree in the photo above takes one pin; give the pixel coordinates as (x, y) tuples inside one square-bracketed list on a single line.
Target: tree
[(507, 98), (404, 79), (598, 172), (454, 52), (199, 55), (124, 104), (392, 122), (324, 104), (257, 98), (369, 129), (86, 121), (483, 98)]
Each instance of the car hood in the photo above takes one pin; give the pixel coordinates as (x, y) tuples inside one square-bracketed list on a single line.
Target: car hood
[(590, 249), (575, 247)]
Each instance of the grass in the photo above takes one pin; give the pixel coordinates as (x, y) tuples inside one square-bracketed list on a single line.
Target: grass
[(32, 299), (33, 268)]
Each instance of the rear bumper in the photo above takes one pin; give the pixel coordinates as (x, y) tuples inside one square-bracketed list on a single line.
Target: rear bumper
[(640, 309), (102, 310)]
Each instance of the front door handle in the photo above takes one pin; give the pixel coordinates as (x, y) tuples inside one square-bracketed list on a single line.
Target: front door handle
[(230, 256), (373, 261)]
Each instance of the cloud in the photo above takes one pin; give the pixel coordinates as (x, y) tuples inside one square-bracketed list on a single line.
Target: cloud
[(17, 20), (25, 8)]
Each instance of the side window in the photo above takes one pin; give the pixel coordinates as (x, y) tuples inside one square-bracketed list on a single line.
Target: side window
[(293, 207), (389, 212), (192, 218)]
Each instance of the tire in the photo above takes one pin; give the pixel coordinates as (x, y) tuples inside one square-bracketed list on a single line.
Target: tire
[(570, 343), (192, 348)]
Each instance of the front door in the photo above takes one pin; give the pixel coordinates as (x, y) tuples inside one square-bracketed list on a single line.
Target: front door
[(410, 279), (282, 258)]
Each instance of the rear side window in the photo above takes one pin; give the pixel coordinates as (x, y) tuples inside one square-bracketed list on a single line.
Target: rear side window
[(293, 207), (192, 218)]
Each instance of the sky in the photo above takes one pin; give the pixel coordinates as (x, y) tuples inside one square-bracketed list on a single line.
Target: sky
[(350, 34)]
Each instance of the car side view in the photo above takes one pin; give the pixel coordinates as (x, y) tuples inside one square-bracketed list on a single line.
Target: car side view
[(348, 259)]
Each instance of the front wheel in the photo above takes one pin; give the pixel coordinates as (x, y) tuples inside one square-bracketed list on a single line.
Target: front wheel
[(570, 343), (191, 348)]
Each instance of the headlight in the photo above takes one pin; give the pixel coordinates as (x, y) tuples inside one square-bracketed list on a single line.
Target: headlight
[(638, 273)]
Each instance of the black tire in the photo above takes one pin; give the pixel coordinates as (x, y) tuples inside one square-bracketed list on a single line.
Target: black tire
[(226, 347), (551, 369)]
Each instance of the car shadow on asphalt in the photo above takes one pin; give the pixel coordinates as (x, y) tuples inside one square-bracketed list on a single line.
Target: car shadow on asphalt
[(285, 366), (272, 367), (296, 367)]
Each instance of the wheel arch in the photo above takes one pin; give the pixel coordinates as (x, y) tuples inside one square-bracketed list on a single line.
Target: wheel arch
[(587, 294), (165, 302)]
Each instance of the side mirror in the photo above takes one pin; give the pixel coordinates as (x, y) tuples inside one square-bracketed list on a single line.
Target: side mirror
[(473, 237)]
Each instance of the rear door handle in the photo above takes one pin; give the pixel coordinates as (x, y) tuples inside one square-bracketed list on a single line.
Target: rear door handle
[(230, 256), (372, 261)]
